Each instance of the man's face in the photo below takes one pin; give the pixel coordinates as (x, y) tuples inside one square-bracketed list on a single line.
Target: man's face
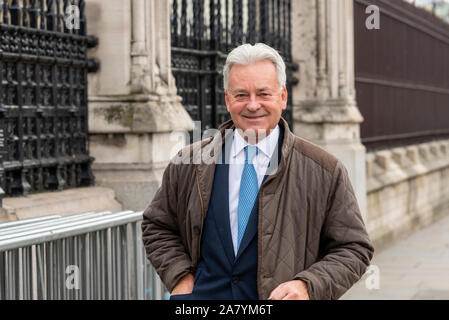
[(254, 98)]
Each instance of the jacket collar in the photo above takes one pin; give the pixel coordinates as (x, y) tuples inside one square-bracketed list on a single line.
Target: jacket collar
[(228, 127), (210, 151), (266, 146)]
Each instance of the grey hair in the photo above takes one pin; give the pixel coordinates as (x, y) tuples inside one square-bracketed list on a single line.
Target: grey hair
[(247, 54)]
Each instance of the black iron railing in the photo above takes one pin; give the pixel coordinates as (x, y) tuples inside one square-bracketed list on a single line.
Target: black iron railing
[(43, 96), (203, 32)]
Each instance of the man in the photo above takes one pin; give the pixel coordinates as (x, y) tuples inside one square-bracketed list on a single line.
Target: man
[(273, 217)]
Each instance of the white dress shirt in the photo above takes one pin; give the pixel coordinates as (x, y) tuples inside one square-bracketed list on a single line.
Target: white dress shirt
[(236, 163)]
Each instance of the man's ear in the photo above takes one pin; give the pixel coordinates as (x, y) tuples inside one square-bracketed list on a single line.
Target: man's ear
[(284, 97), (227, 100)]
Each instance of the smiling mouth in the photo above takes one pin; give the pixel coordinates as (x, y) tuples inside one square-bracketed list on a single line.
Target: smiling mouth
[(253, 117)]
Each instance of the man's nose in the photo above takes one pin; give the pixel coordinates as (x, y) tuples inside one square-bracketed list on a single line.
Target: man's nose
[(253, 104)]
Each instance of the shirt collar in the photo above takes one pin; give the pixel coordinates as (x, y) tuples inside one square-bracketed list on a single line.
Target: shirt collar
[(266, 146)]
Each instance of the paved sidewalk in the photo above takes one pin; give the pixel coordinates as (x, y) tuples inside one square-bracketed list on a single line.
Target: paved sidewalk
[(414, 268)]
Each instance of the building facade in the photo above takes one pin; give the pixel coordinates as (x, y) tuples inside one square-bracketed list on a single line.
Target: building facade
[(160, 71)]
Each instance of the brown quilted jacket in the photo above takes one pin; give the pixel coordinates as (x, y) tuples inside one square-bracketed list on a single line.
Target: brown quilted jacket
[(310, 226)]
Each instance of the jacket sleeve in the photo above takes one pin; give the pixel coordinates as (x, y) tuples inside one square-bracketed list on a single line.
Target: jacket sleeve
[(160, 232), (345, 248)]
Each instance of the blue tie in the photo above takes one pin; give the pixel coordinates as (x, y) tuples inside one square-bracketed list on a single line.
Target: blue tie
[(249, 189)]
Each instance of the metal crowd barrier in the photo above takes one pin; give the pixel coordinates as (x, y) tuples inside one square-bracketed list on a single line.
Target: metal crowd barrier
[(94, 255)]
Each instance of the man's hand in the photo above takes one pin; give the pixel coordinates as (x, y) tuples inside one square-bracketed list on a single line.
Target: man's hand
[(185, 285), (290, 290)]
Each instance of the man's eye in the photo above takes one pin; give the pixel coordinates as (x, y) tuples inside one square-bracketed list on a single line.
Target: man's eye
[(240, 96)]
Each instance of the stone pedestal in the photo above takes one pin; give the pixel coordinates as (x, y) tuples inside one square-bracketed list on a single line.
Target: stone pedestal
[(133, 106), (324, 106), (63, 203)]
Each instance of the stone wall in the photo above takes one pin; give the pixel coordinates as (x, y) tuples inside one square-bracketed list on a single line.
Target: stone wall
[(63, 203), (325, 111), (407, 189), (134, 110)]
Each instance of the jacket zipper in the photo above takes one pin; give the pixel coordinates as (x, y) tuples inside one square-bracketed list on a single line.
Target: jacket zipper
[(202, 217)]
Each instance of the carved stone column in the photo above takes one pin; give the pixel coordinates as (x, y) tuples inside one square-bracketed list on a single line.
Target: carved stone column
[(324, 107), (133, 105)]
